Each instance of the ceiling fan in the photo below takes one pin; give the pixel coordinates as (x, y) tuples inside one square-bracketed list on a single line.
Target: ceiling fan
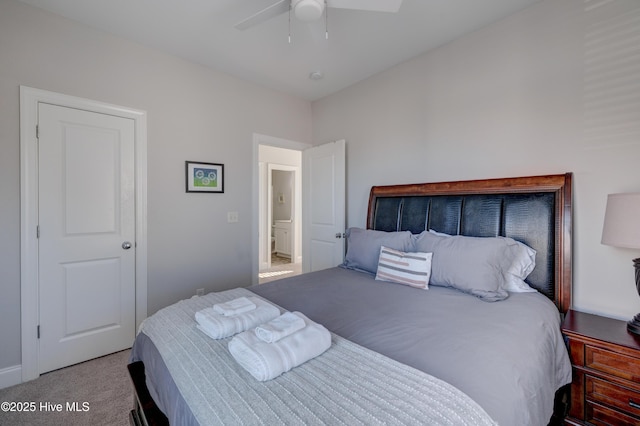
[(310, 10)]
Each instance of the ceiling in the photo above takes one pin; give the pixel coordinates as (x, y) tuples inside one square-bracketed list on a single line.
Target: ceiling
[(360, 43)]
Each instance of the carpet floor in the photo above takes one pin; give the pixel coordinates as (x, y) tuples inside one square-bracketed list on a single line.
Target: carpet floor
[(96, 392)]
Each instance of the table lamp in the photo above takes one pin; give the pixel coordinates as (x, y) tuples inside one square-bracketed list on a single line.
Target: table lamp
[(622, 229)]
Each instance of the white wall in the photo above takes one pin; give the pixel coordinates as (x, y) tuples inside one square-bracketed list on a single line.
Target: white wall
[(276, 155), (194, 113), (552, 89), (517, 98)]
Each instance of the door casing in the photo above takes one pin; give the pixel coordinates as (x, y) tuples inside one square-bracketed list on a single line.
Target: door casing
[(29, 100), (259, 139)]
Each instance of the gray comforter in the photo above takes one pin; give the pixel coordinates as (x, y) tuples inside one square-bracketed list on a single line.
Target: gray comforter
[(346, 385), (508, 356)]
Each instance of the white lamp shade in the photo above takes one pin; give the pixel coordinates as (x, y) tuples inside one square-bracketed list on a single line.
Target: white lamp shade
[(622, 221)]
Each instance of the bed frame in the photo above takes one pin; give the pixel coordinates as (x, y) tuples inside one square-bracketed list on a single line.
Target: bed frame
[(534, 210)]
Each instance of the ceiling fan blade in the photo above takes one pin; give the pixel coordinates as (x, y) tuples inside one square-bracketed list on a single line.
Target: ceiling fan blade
[(371, 5), (270, 12)]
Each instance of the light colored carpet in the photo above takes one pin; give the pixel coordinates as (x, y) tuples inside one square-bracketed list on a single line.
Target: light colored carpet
[(103, 384)]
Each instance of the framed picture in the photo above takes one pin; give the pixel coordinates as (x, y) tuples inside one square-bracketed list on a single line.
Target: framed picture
[(204, 177)]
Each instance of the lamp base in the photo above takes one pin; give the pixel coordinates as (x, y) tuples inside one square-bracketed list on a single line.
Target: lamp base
[(633, 326)]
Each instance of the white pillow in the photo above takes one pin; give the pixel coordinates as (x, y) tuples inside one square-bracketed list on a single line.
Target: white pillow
[(523, 264), (412, 269)]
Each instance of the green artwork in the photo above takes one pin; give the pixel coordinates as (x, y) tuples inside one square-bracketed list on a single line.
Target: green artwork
[(205, 178)]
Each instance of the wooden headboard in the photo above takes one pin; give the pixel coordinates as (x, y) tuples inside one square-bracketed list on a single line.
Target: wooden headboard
[(535, 210)]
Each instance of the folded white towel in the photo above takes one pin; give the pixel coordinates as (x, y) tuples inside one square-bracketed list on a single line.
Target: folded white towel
[(218, 326), (234, 307), (274, 330), (266, 361)]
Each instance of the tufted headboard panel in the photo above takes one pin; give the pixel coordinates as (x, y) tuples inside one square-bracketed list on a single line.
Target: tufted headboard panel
[(534, 210)]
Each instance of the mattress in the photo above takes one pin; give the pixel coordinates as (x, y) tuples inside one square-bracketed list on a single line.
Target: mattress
[(508, 356)]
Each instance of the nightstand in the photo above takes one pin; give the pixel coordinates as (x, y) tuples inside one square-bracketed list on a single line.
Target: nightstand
[(606, 370)]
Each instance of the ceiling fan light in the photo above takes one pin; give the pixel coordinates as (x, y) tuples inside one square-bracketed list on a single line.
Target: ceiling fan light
[(308, 10), (316, 75)]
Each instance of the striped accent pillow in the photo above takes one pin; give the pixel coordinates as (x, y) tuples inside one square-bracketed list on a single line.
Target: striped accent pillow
[(412, 269)]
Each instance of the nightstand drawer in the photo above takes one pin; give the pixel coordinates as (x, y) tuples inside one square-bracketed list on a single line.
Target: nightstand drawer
[(617, 364), (613, 395), (600, 415)]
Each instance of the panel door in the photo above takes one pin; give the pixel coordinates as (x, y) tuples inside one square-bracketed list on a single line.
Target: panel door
[(324, 206), (87, 229)]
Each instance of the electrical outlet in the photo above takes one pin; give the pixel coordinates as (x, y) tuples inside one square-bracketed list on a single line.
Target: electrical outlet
[(232, 217), (200, 292)]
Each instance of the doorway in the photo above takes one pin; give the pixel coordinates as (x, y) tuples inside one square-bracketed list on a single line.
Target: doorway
[(280, 205), (92, 130), (269, 149), (283, 216), (323, 220)]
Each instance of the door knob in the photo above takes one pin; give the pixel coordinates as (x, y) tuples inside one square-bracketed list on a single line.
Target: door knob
[(126, 245)]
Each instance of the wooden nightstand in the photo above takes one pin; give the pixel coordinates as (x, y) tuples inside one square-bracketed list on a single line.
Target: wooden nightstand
[(606, 370)]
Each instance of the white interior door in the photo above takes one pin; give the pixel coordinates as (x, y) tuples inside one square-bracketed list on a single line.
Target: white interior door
[(323, 182), (86, 249)]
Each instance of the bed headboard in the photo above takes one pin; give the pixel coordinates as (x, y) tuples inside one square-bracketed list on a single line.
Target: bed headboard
[(535, 210)]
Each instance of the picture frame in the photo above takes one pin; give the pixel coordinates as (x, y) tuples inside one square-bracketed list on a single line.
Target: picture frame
[(204, 177)]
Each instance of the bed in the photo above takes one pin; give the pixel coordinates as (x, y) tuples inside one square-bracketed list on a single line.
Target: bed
[(506, 357)]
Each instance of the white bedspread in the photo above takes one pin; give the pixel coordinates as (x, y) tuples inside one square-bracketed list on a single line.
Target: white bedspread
[(347, 385)]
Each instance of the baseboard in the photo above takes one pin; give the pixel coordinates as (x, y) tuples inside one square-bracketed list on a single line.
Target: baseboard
[(10, 376)]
